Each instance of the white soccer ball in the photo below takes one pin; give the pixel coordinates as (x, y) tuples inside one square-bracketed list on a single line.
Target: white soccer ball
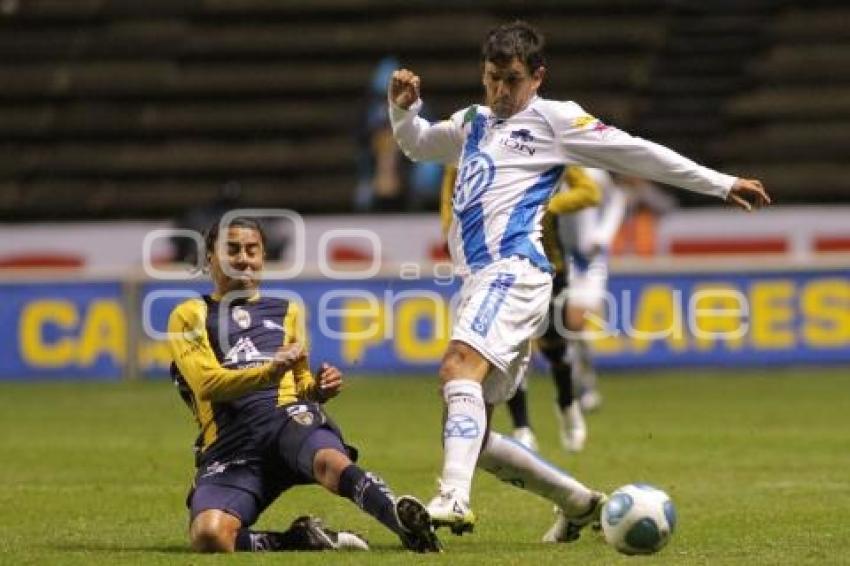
[(638, 519)]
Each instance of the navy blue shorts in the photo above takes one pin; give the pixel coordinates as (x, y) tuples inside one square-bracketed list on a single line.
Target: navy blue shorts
[(245, 486)]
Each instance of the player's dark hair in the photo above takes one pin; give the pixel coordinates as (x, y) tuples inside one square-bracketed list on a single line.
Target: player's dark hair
[(239, 222), (516, 39)]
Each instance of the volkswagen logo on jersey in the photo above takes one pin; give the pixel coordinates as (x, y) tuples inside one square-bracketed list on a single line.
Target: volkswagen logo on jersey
[(474, 177), (241, 317)]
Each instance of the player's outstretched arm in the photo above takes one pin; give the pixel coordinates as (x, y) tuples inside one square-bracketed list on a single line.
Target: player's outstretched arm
[(748, 194), (588, 141)]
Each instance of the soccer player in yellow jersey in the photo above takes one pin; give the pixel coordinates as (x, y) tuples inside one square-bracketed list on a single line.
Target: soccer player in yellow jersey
[(240, 363)]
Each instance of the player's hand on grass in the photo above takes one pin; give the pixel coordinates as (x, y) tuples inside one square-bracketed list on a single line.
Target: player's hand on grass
[(748, 194), (286, 357), (404, 88), (328, 382)]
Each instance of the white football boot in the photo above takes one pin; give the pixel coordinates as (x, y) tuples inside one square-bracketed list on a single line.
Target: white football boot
[(568, 529), (590, 400), (525, 436), (448, 510), (573, 428)]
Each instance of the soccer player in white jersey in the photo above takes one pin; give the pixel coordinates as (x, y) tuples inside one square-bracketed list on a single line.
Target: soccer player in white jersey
[(510, 155)]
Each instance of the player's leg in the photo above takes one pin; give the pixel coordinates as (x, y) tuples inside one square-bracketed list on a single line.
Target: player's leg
[(503, 306), (226, 503), (515, 464), (576, 505), (404, 515), (311, 444), (462, 371), (518, 410), (589, 300), (214, 530), (553, 345), (217, 531)]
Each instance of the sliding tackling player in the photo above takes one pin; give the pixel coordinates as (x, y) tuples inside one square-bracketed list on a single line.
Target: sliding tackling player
[(241, 366)]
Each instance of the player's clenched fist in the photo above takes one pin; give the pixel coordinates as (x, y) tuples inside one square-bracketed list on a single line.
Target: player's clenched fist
[(404, 88)]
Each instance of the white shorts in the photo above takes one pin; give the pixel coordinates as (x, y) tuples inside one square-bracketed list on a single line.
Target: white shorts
[(502, 308), (588, 283)]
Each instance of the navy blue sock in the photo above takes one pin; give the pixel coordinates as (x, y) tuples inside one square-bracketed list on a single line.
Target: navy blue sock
[(563, 374), (518, 408), (269, 541), (371, 494)]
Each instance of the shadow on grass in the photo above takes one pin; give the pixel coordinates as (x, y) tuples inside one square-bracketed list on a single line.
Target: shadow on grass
[(117, 547), (524, 548)]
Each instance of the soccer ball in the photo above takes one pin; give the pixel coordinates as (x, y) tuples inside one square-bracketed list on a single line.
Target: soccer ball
[(638, 519)]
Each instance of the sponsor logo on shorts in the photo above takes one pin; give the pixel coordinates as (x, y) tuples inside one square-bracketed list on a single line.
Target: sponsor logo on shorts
[(491, 303), (215, 468), (461, 426)]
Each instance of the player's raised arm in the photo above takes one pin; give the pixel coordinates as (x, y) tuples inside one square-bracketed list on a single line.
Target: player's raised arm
[(417, 138), (583, 192), (590, 142)]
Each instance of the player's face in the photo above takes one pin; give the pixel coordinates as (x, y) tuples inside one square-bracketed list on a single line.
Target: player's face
[(508, 88), (237, 261)]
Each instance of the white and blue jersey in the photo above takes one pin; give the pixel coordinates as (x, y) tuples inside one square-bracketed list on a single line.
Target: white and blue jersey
[(509, 168)]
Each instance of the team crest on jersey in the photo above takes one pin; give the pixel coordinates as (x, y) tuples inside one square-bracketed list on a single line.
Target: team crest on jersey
[(474, 177), (241, 317)]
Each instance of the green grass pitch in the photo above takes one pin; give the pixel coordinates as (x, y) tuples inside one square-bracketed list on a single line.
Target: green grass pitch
[(757, 462)]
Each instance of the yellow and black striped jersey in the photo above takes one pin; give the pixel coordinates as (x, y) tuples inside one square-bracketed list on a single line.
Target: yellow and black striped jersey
[(221, 354)]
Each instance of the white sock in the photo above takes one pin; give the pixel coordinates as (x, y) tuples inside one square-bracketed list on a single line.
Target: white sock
[(584, 374), (463, 433), (515, 464)]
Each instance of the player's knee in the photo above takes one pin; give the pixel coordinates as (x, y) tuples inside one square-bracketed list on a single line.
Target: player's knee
[(462, 362), (450, 367), (214, 531), (328, 465), (575, 318)]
